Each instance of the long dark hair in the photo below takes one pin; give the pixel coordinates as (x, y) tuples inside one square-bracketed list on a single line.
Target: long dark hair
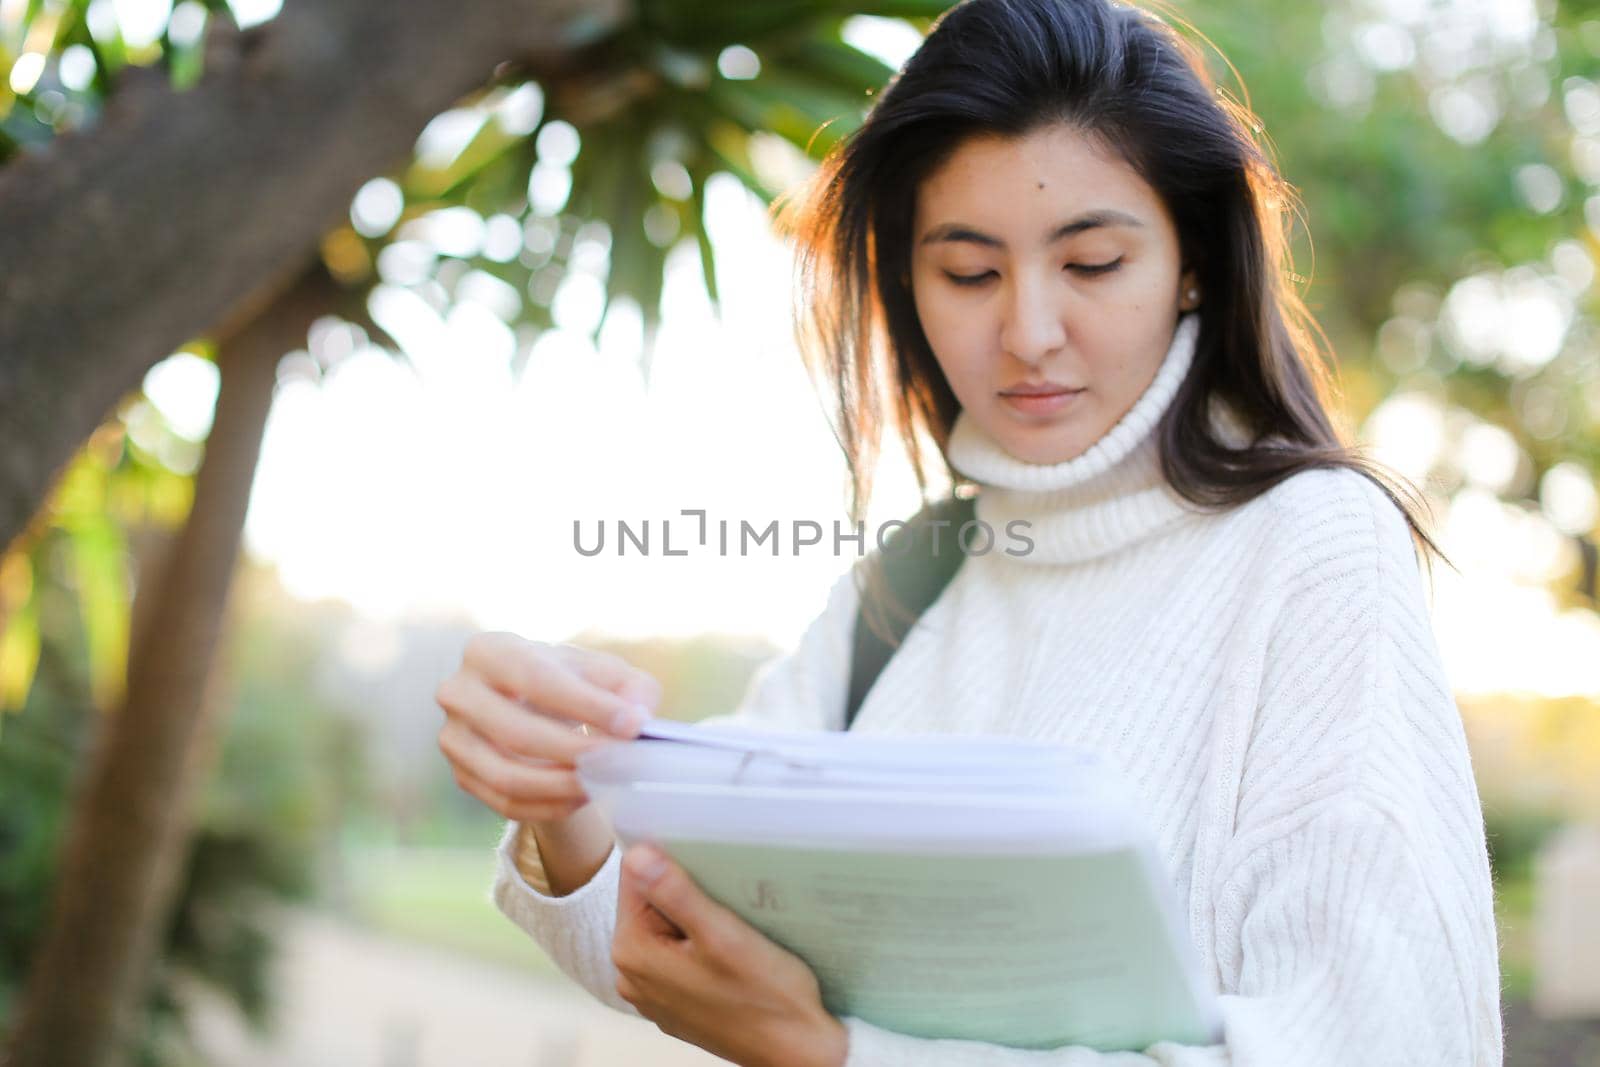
[(1125, 77)]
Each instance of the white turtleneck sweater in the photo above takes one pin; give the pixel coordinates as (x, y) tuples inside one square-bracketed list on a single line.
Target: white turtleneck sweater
[(1268, 679)]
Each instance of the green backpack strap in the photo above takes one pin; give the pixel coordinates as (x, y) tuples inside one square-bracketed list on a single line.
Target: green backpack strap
[(918, 561)]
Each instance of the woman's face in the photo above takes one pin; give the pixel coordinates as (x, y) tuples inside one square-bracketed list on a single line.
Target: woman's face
[(1045, 262)]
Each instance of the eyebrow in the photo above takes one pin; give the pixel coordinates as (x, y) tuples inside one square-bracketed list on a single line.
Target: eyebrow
[(1090, 220)]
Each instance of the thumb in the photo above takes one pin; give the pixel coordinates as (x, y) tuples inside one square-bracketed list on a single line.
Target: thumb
[(668, 889), (634, 910)]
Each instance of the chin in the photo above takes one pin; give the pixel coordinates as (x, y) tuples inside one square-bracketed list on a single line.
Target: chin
[(1043, 448)]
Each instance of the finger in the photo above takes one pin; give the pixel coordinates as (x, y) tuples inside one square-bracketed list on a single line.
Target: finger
[(637, 918), (639, 935), (529, 671), (524, 811), (612, 672), (668, 889), (519, 782), (511, 726)]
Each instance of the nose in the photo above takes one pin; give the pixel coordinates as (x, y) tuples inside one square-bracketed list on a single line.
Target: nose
[(1032, 328)]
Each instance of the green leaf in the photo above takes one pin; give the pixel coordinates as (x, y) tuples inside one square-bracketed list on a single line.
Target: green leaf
[(501, 183), (22, 129), (697, 221), (19, 634), (113, 52), (902, 9), (29, 14), (628, 198), (708, 25), (186, 65), (729, 147), (487, 142), (836, 65), (99, 558), (811, 118)]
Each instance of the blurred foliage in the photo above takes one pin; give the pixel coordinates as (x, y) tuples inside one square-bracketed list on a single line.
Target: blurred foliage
[(1533, 756), (1448, 162), (1533, 759), (77, 550), (603, 173), (291, 766), (614, 157), (700, 676), (41, 752), (1515, 835)]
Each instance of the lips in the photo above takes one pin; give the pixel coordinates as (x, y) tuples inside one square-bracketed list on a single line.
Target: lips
[(1043, 405), (1039, 389)]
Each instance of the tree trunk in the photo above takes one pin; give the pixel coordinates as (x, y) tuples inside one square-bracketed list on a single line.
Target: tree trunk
[(126, 846), (182, 212)]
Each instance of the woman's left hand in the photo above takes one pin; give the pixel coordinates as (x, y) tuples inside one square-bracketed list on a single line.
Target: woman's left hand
[(705, 976)]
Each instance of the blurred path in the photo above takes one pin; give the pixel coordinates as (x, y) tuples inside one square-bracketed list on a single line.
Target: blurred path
[(351, 998), (348, 997), (1535, 1042)]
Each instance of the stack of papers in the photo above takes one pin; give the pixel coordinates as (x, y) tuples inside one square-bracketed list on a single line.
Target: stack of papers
[(941, 886)]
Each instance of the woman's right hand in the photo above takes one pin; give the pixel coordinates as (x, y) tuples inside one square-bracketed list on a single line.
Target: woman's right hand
[(514, 710)]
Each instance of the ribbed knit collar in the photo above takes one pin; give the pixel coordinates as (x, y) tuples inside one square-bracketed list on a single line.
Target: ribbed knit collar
[(1111, 496)]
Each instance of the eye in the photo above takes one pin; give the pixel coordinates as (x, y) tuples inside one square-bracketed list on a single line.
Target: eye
[(970, 279), (1092, 269)]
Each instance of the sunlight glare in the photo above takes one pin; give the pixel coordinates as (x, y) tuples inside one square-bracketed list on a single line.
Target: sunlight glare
[(183, 387), (889, 39)]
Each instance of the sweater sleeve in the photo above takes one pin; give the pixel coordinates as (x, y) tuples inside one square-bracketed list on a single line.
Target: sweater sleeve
[(804, 689), (1352, 906)]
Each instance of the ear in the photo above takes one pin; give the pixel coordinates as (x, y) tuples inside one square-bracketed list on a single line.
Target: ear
[(1189, 294)]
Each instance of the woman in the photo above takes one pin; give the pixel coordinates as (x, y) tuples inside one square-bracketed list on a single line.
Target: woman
[(1072, 253)]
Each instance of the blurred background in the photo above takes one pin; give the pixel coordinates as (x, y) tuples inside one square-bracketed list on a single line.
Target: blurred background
[(382, 298)]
